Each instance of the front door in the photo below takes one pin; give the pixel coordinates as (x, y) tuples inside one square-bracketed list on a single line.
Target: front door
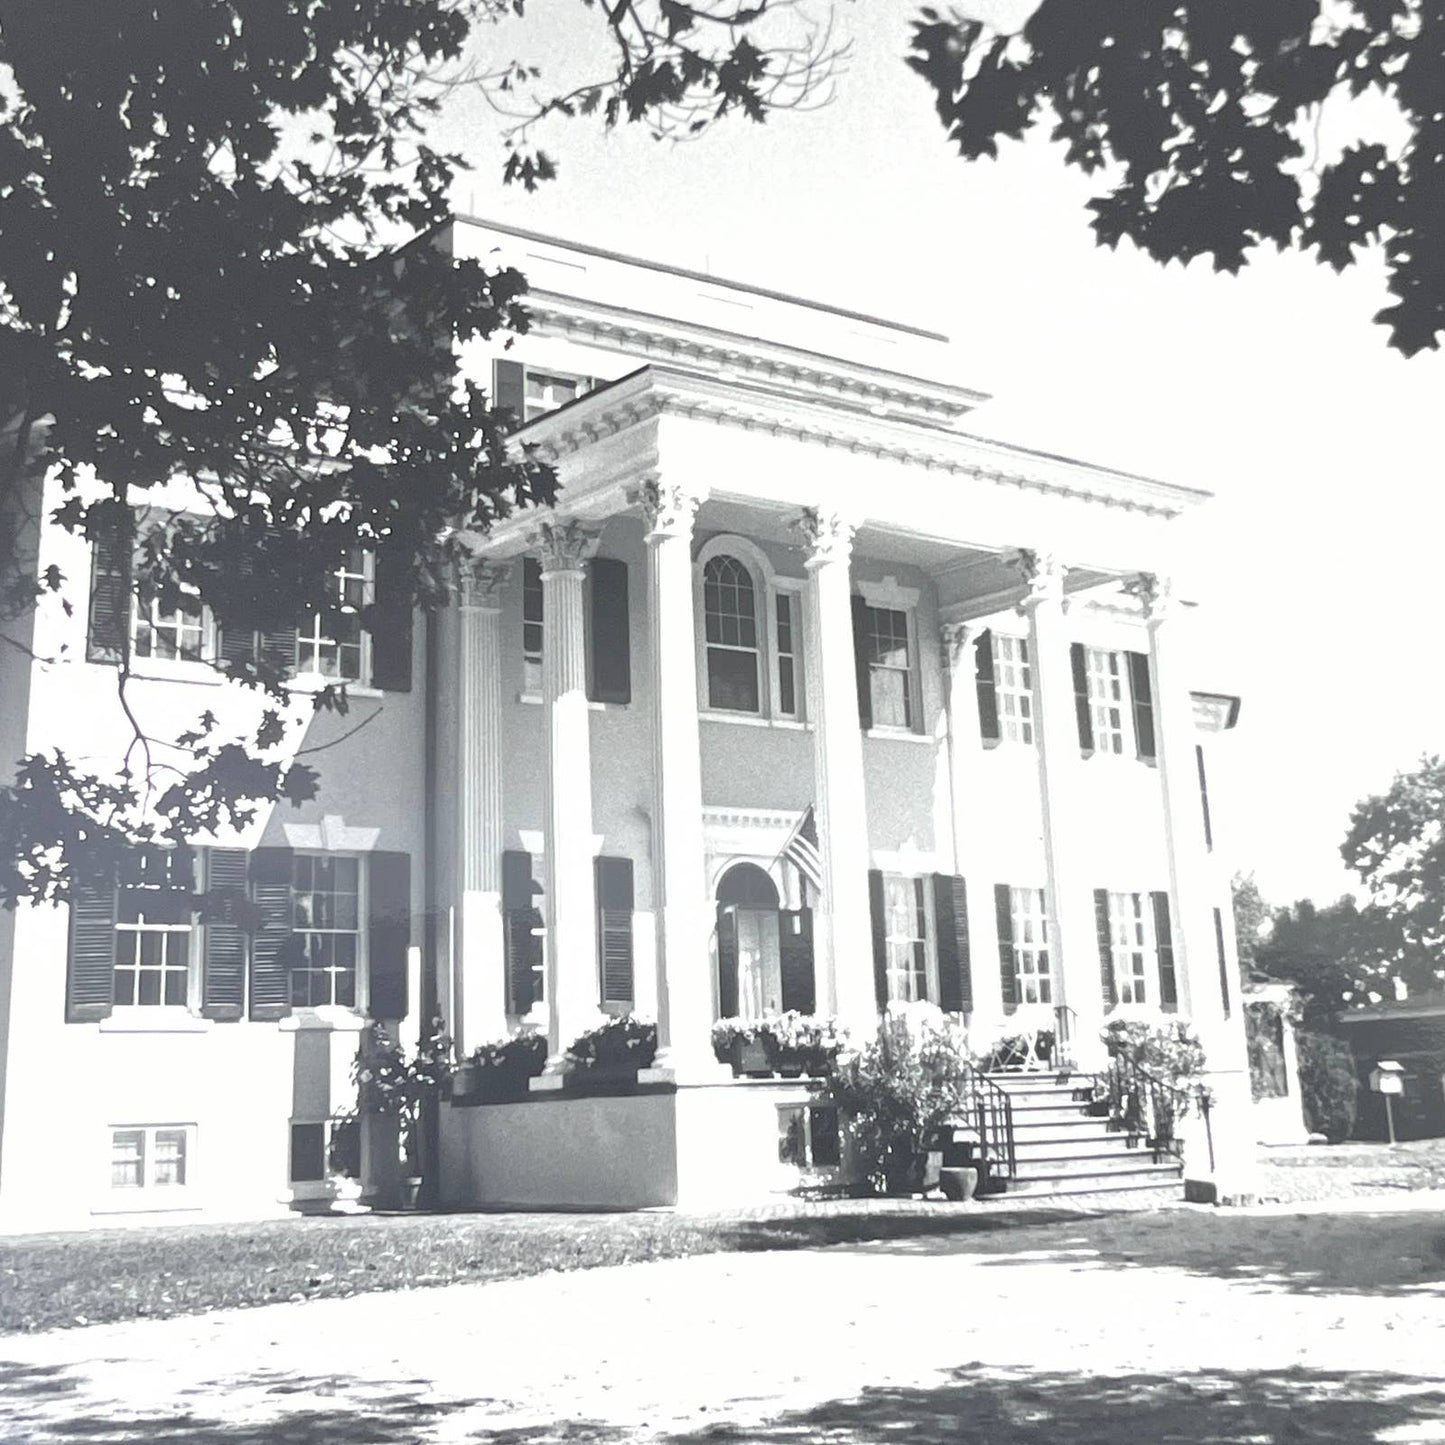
[(760, 971)]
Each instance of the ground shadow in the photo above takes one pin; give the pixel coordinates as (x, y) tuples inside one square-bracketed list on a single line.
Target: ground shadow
[(1391, 1254), (973, 1405)]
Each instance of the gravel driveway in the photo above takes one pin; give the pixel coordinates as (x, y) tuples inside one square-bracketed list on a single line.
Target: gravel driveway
[(1266, 1325)]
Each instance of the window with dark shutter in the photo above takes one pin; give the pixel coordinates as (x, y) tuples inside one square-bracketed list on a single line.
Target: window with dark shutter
[(90, 961), (614, 928), (110, 588), (1143, 695), (1106, 947), (1164, 945), (1079, 662), (610, 659), (223, 973), (1223, 961), (509, 388), (274, 946), (950, 912), (391, 624), (1204, 795), (795, 957), (878, 916), (727, 961), (861, 663), (522, 937), (388, 881), (1008, 968), (987, 692)]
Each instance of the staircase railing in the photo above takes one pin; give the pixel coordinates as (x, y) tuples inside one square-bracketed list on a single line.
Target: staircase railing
[(993, 1115), (1145, 1106), (1066, 1026)]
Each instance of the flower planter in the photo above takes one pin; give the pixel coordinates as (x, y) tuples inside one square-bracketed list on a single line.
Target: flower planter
[(601, 1079), (790, 1063), (750, 1059)]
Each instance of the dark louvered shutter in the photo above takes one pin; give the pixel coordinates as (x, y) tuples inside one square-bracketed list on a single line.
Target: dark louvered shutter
[(795, 955), (391, 624), (987, 688), (223, 974), (860, 663), (110, 587), (950, 912), (727, 961), (279, 649), (236, 645), (1106, 947), (1204, 795), (1008, 964), (611, 639), (520, 919), (1143, 695), (880, 936), (1080, 664), (1223, 961), (273, 944), (509, 388), (90, 963), (1164, 942), (614, 927), (388, 883)]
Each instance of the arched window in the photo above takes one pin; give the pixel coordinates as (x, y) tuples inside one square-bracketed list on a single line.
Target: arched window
[(730, 613)]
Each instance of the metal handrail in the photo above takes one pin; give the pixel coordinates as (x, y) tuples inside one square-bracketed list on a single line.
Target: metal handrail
[(1066, 1024), (1145, 1105), (994, 1116)]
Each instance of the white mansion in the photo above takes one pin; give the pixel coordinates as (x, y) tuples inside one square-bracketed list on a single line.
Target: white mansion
[(782, 593)]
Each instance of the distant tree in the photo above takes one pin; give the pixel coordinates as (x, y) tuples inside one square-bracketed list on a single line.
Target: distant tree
[(199, 280), (1203, 121), (1330, 953), (1396, 844), (1251, 918)]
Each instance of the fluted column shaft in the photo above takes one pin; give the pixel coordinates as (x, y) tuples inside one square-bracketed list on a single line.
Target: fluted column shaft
[(846, 980), (571, 972), (479, 1010), (1074, 947), (683, 915)]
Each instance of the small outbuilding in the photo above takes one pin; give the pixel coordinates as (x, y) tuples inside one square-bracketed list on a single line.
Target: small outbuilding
[(1410, 1032)]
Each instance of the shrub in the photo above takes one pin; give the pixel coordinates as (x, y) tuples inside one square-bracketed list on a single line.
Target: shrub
[(1329, 1085), (522, 1053), (897, 1089), (391, 1083), (624, 1042), (1170, 1052), (1264, 1036)]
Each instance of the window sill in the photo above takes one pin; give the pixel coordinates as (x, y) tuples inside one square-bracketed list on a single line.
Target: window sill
[(535, 699), (898, 735), (148, 1201), (310, 682), (143, 1019), (333, 1018), (157, 669), (752, 720)]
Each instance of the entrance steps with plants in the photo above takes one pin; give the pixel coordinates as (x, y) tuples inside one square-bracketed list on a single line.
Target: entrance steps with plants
[(1062, 1146)]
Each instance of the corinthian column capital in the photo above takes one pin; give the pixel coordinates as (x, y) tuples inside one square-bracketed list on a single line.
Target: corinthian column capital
[(1042, 574), (565, 546), (1155, 592), (828, 536), (480, 585), (670, 508)]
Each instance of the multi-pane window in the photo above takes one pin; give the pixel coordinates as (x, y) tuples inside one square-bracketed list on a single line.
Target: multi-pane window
[(1108, 699), (1013, 687), (153, 928), (1029, 911), (149, 1157), (531, 625), (789, 681), (545, 391), (332, 643), (175, 633), (326, 922), (890, 674), (729, 600), (1131, 939), (905, 931)]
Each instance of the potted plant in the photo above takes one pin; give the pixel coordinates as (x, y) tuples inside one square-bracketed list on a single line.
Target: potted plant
[(610, 1054), (500, 1071), (395, 1086), (800, 1043), (897, 1093)]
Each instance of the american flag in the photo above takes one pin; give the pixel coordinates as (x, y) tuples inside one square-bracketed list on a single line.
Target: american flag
[(801, 849)]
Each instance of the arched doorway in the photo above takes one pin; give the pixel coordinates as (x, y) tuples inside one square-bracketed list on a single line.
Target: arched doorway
[(765, 953)]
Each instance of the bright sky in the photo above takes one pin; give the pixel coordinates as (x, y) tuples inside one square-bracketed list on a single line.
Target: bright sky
[(1317, 563)]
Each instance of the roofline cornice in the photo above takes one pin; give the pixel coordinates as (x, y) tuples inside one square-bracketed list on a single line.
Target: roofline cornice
[(657, 390)]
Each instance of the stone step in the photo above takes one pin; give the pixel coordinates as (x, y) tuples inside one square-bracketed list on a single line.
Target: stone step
[(1056, 1111), (1075, 1146), (1030, 1083), (1168, 1175), (1060, 1166)]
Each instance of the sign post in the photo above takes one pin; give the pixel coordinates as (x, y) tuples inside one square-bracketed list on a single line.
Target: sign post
[(1388, 1078)]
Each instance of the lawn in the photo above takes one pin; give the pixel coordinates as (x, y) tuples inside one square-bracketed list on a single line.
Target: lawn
[(56, 1280)]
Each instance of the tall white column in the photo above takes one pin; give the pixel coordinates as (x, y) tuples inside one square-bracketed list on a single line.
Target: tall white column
[(480, 1008), (846, 936), (1196, 964), (1074, 939), (684, 989), (571, 975), (965, 760)]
